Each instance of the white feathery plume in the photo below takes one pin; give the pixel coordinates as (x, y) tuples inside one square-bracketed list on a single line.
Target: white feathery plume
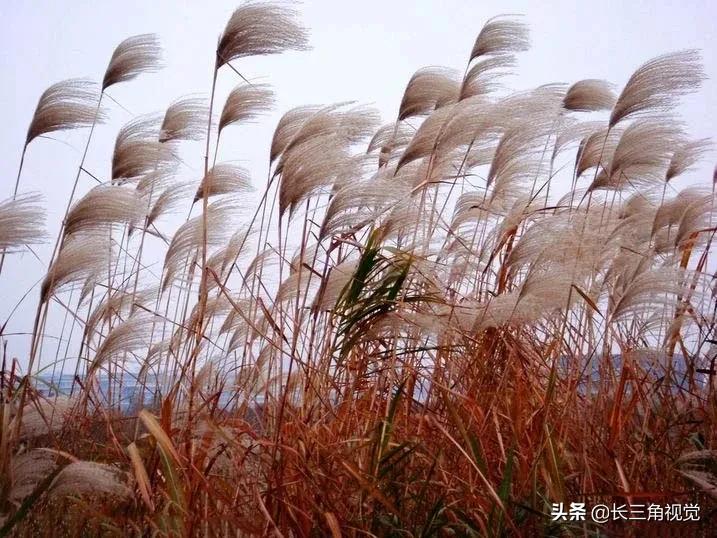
[(259, 28), (360, 202), (224, 178), (657, 84), (596, 149), (158, 179), (348, 127), (482, 76), (134, 56), (225, 257), (686, 155), (429, 89), (103, 206), (128, 337), (246, 102), (641, 156), (22, 222), (288, 127), (389, 140), (184, 119), (167, 201), (338, 278), (646, 292), (696, 217), (137, 149), (190, 235), (68, 104), (500, 35), (590, 95), (118, 304), (81, 256), (90, 478), (427, 135)]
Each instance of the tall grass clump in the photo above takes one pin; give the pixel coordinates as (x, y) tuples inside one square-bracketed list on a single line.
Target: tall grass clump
[(436, 326)]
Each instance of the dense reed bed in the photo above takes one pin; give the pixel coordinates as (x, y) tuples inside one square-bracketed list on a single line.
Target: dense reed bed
[(437, 326)]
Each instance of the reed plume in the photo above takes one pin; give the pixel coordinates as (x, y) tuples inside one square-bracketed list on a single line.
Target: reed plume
[(223, 179), (22, 222), (500, 35), (246, 102), (69, 104), (184, 119), (132, 57), (258, 28), (685, 156), (655, 86), (428, 89), (191, 235), (422, 324), (642, 155), (137, 150), (589, 95), (167, 201), (81, 256), (127, 337), (89, 478), (288, 127), (103, 206)]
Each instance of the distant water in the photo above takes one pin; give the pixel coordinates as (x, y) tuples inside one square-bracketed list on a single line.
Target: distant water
[(128, 394)]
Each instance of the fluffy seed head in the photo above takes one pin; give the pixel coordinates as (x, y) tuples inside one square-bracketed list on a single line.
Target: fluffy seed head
[(81, 257), (185, 119), (137, 150), (655, 86), (102, 206), (500, 35), (134, 56), (21, 221), (428, 89), (89, 478), (258, 28), (223, 179), (589, 95), (686, 155), (246, 102), (69, 104)]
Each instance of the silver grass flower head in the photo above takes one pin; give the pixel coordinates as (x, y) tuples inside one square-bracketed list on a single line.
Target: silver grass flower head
[(260, 28), (428, 89), (245, 103), (481, 78), (138, 151), (132, 57), (22, 221), (184, 119), (287, 128), (69, 104), (89, 478), (224, 178), (686, 155), (590, 95), (500, 35), (103, 206), (81, 257), (657, 84)]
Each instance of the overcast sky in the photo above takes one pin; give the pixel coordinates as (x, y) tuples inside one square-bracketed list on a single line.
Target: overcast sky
[(364, 51)]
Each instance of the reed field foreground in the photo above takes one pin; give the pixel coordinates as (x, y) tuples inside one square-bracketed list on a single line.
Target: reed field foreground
[(438, 326)]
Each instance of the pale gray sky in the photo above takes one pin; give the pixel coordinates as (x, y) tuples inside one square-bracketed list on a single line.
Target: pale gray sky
[(364, 51)]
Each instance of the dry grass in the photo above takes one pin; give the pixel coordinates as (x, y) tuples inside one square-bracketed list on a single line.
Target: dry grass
[(419, 331)]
